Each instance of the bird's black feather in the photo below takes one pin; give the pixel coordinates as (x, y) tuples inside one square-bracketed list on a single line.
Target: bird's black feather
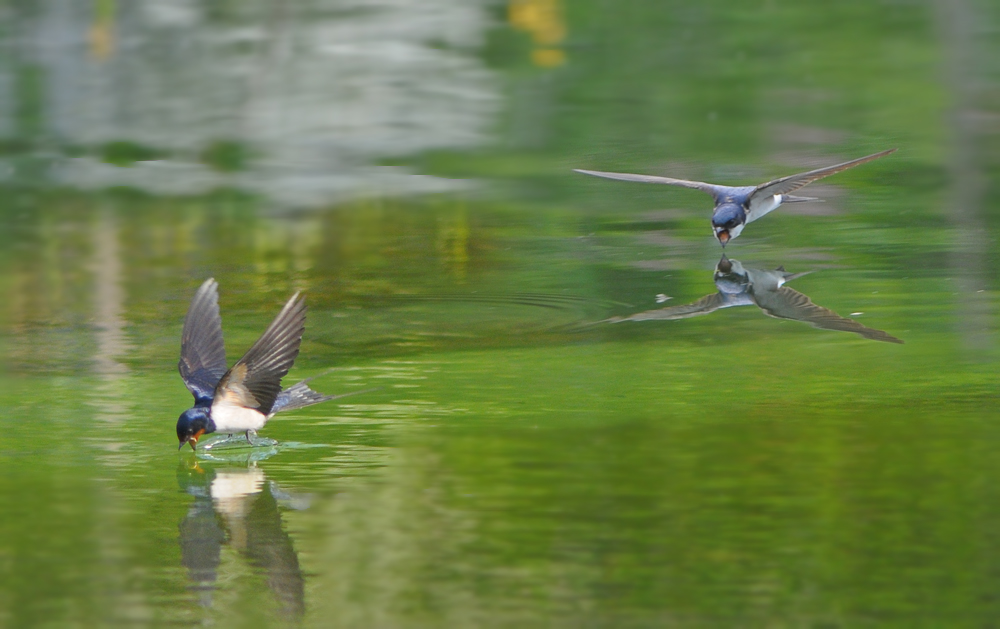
[(261, 369)]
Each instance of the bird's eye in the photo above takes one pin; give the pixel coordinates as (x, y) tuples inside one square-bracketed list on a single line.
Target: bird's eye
[(731, 224)]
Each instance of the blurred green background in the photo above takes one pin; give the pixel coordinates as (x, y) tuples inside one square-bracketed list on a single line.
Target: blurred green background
[(408, 166)]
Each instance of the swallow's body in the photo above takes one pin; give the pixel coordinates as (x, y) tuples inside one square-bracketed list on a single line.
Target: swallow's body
[(243, 398), (737, 206), (745, 286)]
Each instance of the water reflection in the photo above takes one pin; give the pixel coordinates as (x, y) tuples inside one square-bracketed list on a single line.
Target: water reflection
[(297, 101), (238, 507), (740, 285), (966, 164)]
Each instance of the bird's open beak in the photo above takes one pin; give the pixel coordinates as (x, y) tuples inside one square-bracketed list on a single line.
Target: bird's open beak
[(723, 236), (193, 440)]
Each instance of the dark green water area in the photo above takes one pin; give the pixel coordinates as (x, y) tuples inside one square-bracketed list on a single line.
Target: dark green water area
[(523, 462)]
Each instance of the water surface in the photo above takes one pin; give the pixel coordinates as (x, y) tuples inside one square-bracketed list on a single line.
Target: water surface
[(523, 461)]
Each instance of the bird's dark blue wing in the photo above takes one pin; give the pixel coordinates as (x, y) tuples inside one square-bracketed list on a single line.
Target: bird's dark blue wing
[(710, 188), (706, 305), (203, 352), (786, 303), (791, 183), (255, 380)]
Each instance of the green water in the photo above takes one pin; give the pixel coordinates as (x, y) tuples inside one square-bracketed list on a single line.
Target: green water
[(522, 462)]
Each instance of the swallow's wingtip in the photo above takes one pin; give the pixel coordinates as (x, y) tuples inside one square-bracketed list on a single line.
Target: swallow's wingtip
[(298, 299)]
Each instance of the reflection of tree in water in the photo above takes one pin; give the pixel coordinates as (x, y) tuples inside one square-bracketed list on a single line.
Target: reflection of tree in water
[(960, 22), (237, 507), (295, 100)]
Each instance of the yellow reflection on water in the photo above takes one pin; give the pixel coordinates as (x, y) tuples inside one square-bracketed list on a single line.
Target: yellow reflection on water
[(548, 57), (102, 30), (453, 241), (544, 20)]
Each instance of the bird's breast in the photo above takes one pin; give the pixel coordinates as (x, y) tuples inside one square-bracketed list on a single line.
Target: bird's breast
[(233, 418)]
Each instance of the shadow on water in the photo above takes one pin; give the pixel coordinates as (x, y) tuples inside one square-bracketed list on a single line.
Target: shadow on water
[(237, 507), (742, 285)]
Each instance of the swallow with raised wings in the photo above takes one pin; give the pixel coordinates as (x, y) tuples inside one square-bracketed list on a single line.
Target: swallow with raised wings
[(243, 398), (735, 206), (745, 286)]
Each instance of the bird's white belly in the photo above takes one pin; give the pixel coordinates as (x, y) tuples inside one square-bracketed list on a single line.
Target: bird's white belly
[(762, 207), (231, 418), (231, 490)]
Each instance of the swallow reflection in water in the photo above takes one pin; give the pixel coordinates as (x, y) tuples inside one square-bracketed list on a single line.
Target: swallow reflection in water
[(243, 398), (745, 286), (735, 206), (238, 507)]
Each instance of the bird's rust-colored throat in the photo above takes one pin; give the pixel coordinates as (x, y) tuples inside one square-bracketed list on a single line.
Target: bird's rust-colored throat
[(193, 441)]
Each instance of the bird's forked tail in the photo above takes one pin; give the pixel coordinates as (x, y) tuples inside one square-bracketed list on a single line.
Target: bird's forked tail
[(299, 395)]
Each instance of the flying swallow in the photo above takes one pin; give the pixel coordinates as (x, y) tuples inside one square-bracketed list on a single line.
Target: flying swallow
[(737, 206), (243, 398), (744, 286)]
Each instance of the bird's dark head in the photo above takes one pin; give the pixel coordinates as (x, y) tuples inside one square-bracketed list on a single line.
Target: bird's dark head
[(192, 424), (730, 277), (728, 221)]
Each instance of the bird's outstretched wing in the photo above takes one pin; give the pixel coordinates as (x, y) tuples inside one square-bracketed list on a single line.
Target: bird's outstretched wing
[(787, 303), (254, 382), (203, 352), (791, 183), (705, 305), (697, 185)]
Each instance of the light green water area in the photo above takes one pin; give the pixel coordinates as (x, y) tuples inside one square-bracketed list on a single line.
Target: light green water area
[(523, 461)]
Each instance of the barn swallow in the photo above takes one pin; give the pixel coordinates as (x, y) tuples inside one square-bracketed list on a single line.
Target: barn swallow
[(745, 286), (737, 206), (243, 398)]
